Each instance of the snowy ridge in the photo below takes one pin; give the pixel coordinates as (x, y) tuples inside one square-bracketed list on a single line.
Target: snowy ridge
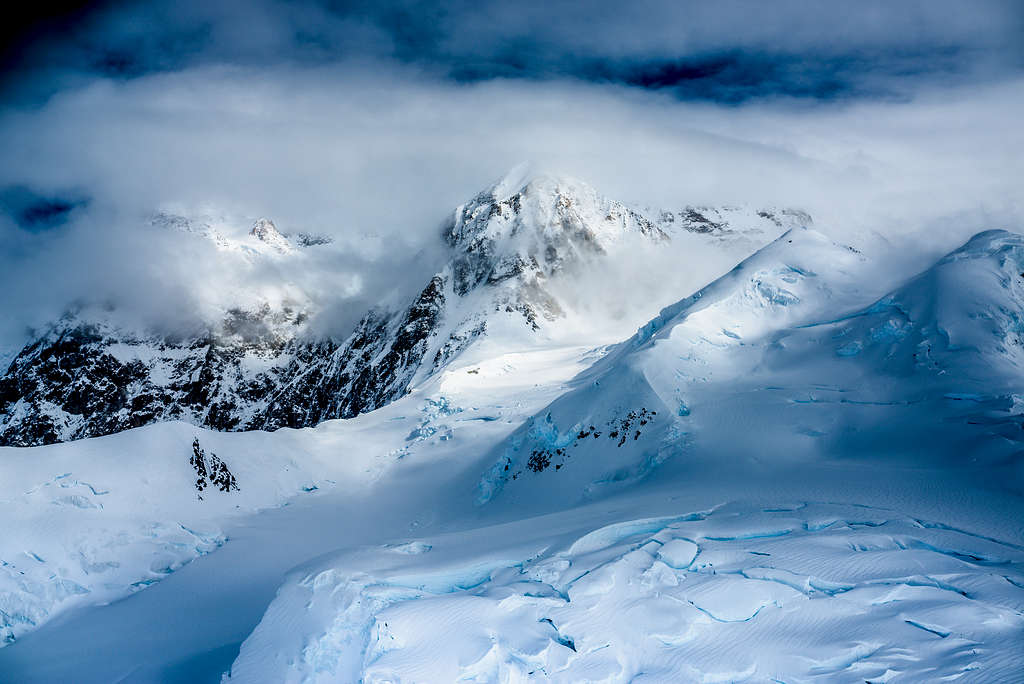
[(774, 288), (965, 313), (768, 464), (744, 224), (258, 368), (752, 344), (89, 375), (738, 591), (631, 422), (265, 231)]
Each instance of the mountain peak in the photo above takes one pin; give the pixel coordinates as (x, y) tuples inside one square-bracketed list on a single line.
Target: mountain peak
[(529, 226), (779, 282), (528, 178), (265, 231), (987, 243), (513, 181), (526, 204)]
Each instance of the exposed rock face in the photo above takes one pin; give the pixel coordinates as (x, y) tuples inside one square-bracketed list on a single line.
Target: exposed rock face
[(90, 376), (211, 471), (729, 222), (373, 367), (85, 379), (265, 231)]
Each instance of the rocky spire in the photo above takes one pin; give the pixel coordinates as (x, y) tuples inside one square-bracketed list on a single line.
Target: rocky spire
[(265, 231)]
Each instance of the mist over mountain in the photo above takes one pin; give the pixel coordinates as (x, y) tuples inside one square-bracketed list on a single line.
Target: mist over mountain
[(532, 255), (374, 140)]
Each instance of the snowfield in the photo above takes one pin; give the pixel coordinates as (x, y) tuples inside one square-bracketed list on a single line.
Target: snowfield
[(91, 521), (719, 595), (808, 470)]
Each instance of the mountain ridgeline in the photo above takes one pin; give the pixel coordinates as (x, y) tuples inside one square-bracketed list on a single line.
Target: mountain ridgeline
[(261, 368)]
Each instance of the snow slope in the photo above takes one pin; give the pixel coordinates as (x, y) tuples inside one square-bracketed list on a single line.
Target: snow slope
[(789, 475), (88, 522), (822, 554), (93, 520), (930, 370), (802, 592)]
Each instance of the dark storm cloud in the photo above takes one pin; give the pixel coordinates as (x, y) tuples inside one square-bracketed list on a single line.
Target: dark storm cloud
[(734, 76), (722, 51), (34, 212)]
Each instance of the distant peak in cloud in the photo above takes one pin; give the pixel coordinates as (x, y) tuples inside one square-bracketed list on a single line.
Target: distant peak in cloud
[(513, 180), (265, 231), (529, 177)]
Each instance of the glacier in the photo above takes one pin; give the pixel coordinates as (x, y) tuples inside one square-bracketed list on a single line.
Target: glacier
[(809, 469)]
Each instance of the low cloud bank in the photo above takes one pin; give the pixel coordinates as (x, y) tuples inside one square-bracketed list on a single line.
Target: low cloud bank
[(376, 154)]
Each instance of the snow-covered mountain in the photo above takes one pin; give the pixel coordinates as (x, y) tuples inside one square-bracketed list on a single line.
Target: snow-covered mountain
[(260, 367), (750, 402), (764, 465)]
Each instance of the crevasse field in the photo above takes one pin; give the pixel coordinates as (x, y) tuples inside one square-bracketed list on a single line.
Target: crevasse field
[(809, 469)]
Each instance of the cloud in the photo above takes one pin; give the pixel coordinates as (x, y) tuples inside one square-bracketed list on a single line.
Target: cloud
[(35, 213), (350, 123), (723, 51)]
